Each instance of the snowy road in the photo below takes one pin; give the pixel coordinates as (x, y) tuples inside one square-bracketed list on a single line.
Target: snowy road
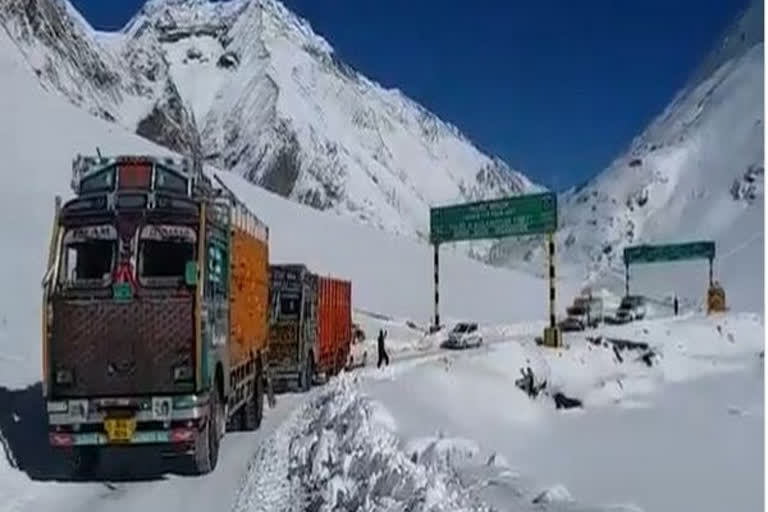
[(215, 491)]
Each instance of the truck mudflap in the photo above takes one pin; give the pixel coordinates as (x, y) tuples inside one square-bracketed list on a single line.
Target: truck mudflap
[(126, 421)]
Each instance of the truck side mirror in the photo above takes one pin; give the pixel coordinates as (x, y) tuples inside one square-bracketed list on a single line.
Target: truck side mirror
[(190, 273)]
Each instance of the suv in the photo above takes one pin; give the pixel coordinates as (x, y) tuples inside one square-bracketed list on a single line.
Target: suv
[(632, 308), (464, 335)]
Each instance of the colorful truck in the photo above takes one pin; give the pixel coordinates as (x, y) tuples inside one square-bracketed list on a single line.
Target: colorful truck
[(154, 312), (310, 326)]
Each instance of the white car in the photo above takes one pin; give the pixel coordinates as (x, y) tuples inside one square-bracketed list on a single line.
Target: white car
[(632, 307), (464, 335), (360, 350)]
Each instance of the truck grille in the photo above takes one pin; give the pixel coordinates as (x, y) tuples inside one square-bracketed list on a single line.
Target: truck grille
[(284, 345), (115, 348)]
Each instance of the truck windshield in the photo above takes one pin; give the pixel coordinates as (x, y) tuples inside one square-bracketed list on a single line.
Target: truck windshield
[(289, 306), (88, 256), (164, 252)]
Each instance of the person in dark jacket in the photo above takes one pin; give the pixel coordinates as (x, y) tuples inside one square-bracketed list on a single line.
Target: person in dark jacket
[(676, 305), (383, 357)]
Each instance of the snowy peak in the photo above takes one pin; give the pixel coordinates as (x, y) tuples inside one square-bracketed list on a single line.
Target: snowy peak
[(60, 47), (249, 85), (175, 19)]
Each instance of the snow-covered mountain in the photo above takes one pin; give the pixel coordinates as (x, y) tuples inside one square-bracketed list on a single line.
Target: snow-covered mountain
[(250, 86), (695, 173)]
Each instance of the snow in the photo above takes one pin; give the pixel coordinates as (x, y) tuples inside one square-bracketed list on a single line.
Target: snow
[(340, 456), (709, 458), (436, 430)]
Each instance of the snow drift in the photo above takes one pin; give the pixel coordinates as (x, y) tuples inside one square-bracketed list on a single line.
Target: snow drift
[(340, 456)]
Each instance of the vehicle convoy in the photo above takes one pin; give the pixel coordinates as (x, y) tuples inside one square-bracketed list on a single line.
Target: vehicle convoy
[(585, 312), (464, 335), (310, 326), (154, 312)]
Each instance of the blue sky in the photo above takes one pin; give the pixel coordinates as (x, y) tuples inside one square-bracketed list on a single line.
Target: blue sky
[(555, 87)]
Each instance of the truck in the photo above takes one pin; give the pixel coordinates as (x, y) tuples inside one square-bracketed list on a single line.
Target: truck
[(154, 328), (586, 312), (310, 327)]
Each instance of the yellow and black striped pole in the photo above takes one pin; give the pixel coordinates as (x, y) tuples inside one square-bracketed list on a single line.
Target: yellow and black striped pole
[(552, 336), (437, 287), (551, 281)]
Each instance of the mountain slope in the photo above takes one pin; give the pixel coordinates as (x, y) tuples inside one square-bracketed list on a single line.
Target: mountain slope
[(253, 89), (695, 173), (390, 275)]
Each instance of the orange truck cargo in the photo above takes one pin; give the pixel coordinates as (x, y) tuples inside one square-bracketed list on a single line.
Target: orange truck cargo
[(310, 326), (155, 312)]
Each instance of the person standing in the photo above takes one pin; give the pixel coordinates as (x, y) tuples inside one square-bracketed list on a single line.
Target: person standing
[(676, 305), (383, 356)]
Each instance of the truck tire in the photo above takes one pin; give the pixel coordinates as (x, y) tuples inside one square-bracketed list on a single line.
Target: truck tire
[(253, 409), (208, 441), (84, 461)]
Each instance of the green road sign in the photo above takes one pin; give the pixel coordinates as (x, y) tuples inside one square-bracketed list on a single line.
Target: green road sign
[(511, 216), (669, 252)]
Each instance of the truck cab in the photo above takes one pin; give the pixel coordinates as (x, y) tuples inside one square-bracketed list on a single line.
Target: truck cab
[(138, 344)]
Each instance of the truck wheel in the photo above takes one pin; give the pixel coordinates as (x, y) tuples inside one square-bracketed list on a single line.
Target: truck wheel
[(207, 442), (253, 409), (84, 461)]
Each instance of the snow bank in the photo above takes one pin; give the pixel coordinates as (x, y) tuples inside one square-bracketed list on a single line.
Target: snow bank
[(628, 407), (336, 454)]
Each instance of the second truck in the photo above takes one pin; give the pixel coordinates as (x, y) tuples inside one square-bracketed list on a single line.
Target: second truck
[(155, 313), (310, 326)]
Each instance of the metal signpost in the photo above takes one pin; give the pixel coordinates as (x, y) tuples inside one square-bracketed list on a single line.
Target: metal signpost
[(510, 216)]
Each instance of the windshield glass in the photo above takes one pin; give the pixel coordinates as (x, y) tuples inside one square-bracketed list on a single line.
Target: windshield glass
[(460, 328), (88, 256), (164, 252), (289, 306)]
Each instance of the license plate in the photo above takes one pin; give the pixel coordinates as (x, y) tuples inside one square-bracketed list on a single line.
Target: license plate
[(120, 430)]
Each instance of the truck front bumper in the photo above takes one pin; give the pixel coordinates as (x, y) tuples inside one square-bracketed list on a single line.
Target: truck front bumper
[(286, 378), (152, 420)]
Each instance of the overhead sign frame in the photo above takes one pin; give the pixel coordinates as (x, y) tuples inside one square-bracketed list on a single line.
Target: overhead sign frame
[(522, 215), (529, 214)]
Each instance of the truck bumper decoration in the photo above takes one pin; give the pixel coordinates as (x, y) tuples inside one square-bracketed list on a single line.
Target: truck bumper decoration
[(154, 419), (178, 435)]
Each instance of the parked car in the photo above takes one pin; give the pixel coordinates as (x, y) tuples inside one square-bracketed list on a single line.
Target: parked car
[(464, 335), (632, 307), (360, 351)]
